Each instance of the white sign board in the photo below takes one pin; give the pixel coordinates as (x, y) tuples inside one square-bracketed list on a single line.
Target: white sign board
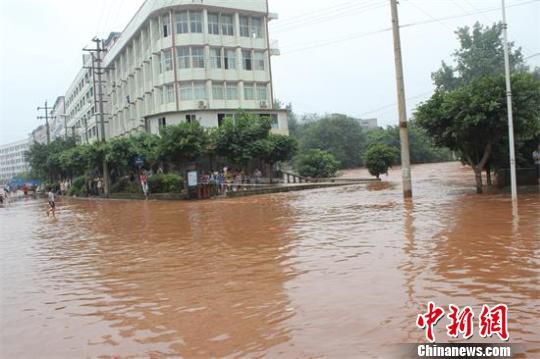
[(192, 178)]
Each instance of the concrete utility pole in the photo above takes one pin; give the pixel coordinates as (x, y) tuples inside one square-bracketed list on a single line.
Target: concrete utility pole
[(513, 178), (97, 69), (46, 117), (403, 131)]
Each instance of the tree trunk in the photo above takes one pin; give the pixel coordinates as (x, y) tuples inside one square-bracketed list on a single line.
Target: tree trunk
[(477, 168), (478, 178), (488, 175)]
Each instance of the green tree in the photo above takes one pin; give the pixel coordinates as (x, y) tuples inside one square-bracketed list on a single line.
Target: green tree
[(379, 158), (147, 145), (238, 139), (317, 164), (338, 134), (45, 160), (276, 148), (422, 147), (472, 119), (183, 143), (481, 53)]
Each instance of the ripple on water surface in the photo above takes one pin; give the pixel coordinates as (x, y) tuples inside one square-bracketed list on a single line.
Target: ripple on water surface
[(325, 273)]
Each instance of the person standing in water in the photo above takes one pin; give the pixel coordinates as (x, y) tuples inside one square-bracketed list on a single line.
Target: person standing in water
[(52, 204)]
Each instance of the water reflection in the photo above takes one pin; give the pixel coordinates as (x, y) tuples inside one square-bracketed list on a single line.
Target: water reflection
[(192, 280)]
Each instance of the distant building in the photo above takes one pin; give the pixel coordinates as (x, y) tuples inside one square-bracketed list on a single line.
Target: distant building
[(12, 159), (368, 123), (58, 124)]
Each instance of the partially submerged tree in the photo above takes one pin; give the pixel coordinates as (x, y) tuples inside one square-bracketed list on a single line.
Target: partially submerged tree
[(473, 118), (379, 158), (317, 164)]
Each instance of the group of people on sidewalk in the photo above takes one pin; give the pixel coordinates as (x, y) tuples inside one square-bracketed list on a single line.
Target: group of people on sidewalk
[(230, 180)]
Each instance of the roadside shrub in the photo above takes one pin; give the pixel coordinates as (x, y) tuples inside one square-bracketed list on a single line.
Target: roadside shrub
[(124, 185), (379, 158), (78, 187), (317, 164), (165, 183)]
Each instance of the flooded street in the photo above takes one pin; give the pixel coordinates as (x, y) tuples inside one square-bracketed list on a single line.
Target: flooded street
[(334, 273)]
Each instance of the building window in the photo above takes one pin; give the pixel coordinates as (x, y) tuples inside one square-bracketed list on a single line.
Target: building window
[(195, 18), (258, 60), (218, 92), (257, 27), (170, 93), (165, 25), (246, 60), (191, 118), (186, 91), (199, 90), (230, 59), (166, 61), (197, 57), (215, 57), (227, 27), (182, 56), (249, 92), (244, 26), (162, 122), (262, 93), (232, 91), (213, 24), (182, 22)]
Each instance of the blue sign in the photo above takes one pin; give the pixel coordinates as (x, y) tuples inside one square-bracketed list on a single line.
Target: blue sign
[(139, 161)]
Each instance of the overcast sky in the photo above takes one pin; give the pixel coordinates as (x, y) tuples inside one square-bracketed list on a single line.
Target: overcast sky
[(336, 56)]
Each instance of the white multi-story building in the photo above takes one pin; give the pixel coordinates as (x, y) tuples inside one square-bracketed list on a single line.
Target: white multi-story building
[(186, 60), (58, 123), (12, 159), (80, 105)]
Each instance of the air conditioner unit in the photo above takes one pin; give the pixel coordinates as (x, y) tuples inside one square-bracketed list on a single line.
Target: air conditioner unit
[(263, 104), (202, 104)]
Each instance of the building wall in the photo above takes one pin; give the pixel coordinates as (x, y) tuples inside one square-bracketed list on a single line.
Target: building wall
[(171, 59), (80, 105), (12, 159), (369, 123), (58, 123), (210, 119)]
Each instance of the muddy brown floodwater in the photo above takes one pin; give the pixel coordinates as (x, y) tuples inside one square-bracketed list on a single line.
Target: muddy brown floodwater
[(334, 273)]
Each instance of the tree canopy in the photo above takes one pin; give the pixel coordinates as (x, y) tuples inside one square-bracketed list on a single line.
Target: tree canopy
[(317, 164), (338, 134), (379, 158), (481, 53), (472, 119)]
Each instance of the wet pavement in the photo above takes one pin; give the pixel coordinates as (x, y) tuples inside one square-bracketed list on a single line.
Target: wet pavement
[(334, 273)]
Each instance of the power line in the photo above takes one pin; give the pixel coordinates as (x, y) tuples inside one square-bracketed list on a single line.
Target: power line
[(392, 105), (428, 14), (319, 12), (413, 24), (280, 27)]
